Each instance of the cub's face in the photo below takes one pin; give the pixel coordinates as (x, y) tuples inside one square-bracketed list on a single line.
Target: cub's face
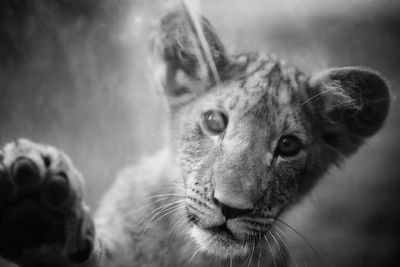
[(252, 135), (245, 148)]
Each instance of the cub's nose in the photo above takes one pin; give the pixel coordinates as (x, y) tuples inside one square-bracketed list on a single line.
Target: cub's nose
[(231, 212)]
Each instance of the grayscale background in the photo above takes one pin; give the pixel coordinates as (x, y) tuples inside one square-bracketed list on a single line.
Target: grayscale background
[(74, 74)]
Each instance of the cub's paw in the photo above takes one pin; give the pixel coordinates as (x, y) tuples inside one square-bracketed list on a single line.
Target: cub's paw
[(42, 215)]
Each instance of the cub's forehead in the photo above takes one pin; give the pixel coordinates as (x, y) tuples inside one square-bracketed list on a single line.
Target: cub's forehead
[(261, 83), (264, 95)]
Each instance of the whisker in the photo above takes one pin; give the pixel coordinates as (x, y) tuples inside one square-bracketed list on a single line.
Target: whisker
[(259, 256), (182, 185), (164, 195), (259, 247), (161, 197), (281, 250), (164, 208), (164, 213), (168, 211), (194, 254), (156, 211), (287, 248), (270, 250), (168, 186), (183, 188), (252, 242), (316, 95), (190, 241), (152, 203), (283, 233), (305, 238), (209, 261), (134, 211), (178, 224), (187, 233)]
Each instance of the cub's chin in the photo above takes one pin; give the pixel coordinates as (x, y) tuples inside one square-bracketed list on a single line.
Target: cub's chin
[(219, 243)]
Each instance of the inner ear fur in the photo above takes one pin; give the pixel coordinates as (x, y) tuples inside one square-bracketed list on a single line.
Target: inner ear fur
[(187, 58), (353, 103)]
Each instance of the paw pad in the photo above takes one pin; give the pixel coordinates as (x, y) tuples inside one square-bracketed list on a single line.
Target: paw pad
[(56, 190), (26, 174), (40, 202)]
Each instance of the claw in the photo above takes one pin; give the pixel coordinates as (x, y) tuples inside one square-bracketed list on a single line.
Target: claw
[(25, 173)]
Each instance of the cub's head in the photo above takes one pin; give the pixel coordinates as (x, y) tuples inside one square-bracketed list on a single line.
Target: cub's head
[(251, 134)]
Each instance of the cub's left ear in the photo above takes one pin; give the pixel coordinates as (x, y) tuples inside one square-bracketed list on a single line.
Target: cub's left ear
[(353, 103), (187, 56)]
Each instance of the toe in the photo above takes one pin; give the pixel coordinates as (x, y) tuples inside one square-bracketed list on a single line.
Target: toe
[(26, 174), (56, 190)]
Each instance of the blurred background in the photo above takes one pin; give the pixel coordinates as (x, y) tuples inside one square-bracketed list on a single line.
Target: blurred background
[(74, 74)]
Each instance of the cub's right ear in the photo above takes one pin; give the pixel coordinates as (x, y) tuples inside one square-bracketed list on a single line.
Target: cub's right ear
[(353, 103), (187, 56)]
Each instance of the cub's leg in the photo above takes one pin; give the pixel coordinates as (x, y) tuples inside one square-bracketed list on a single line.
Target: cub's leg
[(43, 219)]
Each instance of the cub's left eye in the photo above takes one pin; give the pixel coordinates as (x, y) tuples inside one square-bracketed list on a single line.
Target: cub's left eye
[(215, 122), (289, 146)]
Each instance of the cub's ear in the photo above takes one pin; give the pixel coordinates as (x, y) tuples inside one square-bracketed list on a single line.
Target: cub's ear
[(353, 103), (187, 56)]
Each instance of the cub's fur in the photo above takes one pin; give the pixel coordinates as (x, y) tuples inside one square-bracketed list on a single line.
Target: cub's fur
[(249, 136)]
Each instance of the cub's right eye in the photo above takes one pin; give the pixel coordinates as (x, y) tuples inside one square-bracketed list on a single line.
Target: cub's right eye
[(214, 122), (289, 146)]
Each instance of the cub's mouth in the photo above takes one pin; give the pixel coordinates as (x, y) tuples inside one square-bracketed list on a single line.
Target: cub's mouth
[(221, 242), (227, 226), (221, 230), (226, 240)]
